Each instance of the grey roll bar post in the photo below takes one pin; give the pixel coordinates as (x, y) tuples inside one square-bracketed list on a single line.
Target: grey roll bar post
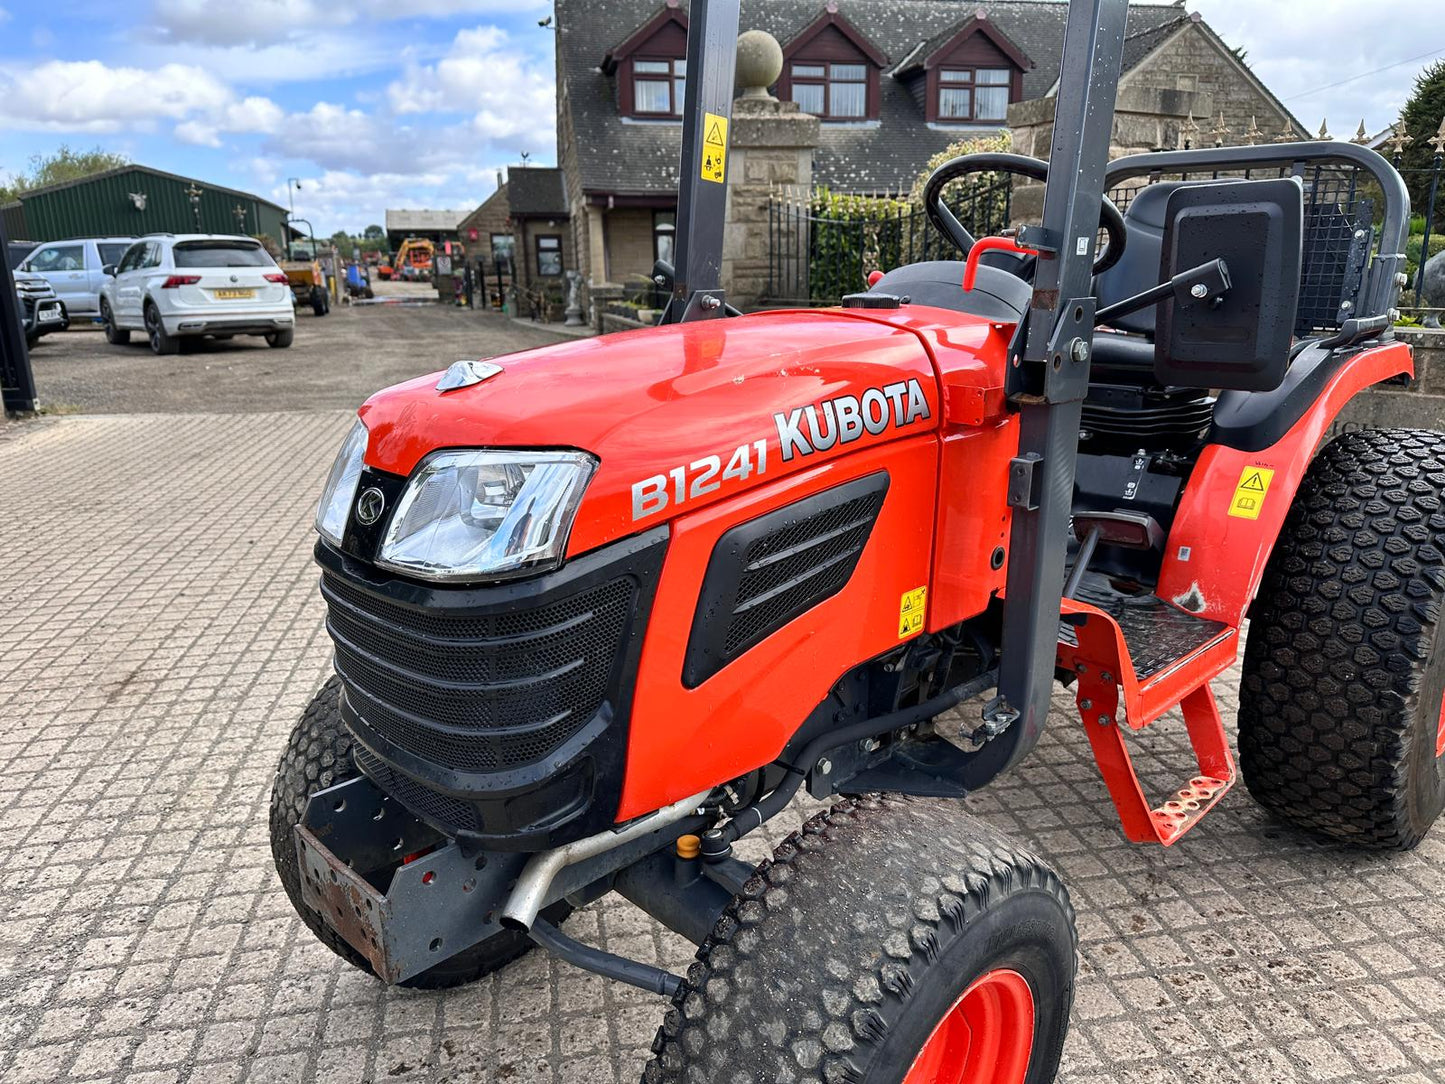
[(712, 44), (1049, 381)]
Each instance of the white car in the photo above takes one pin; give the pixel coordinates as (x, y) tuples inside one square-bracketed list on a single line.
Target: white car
[(175, 286), (75, 269)]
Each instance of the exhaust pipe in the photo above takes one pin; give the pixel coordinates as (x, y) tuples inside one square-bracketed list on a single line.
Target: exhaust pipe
[(542, 868)]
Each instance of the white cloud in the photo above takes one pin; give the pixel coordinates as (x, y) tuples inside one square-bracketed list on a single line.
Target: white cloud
[(4, 15), (262, 22), (485, 74), (1299, 47), (89, 96), (252, 114)]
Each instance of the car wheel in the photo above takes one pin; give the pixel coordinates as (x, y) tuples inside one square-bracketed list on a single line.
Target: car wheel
[(116, 336), (161, 343), (281, 339), (320, 301)]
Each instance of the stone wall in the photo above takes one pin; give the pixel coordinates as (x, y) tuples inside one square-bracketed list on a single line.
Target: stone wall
[(1421, 405), (1194, 59), (772, 146)]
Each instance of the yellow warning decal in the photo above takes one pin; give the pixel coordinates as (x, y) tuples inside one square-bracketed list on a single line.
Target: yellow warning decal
[(910, 612), (714, 147), (1250, 492)]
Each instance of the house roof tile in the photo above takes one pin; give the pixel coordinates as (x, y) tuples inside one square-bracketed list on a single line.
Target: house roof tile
[(624, 156)]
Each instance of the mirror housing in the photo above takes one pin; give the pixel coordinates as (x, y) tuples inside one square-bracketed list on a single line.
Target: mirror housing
[(108, 270), (1241, 340)]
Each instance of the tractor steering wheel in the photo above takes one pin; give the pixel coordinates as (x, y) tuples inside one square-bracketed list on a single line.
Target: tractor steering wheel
[(1110, 220)]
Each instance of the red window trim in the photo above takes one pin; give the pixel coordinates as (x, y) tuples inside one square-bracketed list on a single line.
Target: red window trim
[(826, 81), (656, 77), (972, 84)]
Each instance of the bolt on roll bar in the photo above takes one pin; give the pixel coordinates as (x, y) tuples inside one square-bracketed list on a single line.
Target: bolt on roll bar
[(1379, 294)]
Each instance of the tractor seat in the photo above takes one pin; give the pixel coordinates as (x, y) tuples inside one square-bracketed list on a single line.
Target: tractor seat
[(1125, 353)]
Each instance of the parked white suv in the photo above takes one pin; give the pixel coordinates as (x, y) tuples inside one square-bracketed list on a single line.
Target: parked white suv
[(174, 286), (75, 269)]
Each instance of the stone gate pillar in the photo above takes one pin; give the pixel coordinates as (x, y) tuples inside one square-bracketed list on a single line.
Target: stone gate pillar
[(772, 145)]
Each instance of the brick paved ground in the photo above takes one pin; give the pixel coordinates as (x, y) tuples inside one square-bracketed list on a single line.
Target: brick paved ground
[(160, 630)]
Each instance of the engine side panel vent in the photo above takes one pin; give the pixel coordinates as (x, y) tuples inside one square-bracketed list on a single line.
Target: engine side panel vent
[(768, 571)]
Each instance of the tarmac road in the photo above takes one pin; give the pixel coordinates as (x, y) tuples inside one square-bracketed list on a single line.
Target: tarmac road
[(335, 358)]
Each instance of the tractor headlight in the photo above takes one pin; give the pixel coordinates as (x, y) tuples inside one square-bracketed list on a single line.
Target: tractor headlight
[(486, 514), (341, 486)]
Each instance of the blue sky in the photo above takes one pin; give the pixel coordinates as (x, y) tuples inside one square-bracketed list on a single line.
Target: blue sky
[(370, 103), (417, 103)]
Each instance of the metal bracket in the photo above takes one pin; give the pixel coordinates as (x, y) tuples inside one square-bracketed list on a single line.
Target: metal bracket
[(1025, 476), (699, 305), (1066, 371)]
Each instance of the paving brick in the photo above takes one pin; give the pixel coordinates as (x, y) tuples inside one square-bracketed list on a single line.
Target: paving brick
[(154, 666)]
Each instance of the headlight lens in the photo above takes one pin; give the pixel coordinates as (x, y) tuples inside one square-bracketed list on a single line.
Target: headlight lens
[(341, 485), (486, 514)]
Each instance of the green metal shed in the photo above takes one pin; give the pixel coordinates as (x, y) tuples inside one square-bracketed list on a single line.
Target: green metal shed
[(133, 200)]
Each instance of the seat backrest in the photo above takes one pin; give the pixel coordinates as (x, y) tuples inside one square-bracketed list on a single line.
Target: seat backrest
[(1138, 269)]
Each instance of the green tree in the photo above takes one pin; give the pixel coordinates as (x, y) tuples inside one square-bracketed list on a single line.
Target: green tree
[(64, 165), (374, 233), (1422, 117)]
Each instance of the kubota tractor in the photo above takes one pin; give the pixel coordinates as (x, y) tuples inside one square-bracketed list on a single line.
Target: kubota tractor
[(603, 608)]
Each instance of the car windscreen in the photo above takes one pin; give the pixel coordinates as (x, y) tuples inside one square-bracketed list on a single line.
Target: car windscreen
[(111, 253), (220, 254)]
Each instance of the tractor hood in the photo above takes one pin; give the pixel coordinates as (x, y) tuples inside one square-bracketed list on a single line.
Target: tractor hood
[(678, 417)]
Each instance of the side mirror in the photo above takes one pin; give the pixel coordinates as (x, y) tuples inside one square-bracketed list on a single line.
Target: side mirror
[(108, 269), (1240, 340)]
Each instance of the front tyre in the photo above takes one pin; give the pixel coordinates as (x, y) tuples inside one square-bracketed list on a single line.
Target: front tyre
[(889, 941), (319, 756), (1341, 723)]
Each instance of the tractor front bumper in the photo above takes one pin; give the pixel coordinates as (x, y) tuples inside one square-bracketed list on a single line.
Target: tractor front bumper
[(399, 892)]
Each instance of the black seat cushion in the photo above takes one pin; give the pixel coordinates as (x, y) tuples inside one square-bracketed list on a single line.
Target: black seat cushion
[(996, 295)]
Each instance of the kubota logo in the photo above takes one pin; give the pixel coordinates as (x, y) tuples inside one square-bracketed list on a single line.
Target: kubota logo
[(845, 418)]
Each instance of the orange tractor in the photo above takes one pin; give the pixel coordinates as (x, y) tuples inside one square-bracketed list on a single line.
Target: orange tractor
[(603, 608)]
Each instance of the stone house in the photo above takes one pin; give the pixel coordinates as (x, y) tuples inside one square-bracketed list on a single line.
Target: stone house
[(522, 231), (889, 84)]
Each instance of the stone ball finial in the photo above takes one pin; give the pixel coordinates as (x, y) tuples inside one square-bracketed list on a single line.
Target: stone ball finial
[(760, 62)]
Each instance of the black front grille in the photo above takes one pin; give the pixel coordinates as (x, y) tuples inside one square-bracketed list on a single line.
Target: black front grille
[(478, 693), (498, 713), (767, 572)]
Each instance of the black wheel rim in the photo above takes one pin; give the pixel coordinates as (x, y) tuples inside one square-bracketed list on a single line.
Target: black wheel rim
[(153, 329)]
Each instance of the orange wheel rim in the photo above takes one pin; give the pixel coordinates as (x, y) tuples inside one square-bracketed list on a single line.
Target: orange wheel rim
[(986, 1037)]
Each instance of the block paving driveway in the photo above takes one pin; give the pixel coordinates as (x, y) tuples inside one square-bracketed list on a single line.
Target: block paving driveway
[(160, 630)]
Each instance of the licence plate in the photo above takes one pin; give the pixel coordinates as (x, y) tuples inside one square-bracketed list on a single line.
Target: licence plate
[(227, 295), (49, 316)]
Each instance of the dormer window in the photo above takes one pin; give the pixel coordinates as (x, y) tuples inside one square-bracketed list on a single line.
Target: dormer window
[(658, 86), (973, 94), (831, 91), (832, 71)]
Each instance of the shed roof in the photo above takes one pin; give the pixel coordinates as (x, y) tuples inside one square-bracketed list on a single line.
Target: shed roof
[(424, 220)]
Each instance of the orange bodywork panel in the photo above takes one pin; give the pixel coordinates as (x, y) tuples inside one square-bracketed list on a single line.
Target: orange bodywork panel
[(684, 740), (1225, 528)]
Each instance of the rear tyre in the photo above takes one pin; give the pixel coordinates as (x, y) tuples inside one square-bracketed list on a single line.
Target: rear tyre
[(320, 301), (1341, 724), (161, 343), (114, 335), (281, 339), (319, 756), (890, 939)]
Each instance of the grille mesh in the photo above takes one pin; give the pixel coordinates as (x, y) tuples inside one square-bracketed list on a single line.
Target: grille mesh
[(789, 570), (442, 809), (478, 693)]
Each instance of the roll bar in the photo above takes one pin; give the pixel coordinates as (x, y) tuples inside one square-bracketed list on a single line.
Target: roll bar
[(1378, 296)]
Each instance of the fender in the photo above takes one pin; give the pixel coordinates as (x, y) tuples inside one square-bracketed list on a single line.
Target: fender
[(1235, 503)]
